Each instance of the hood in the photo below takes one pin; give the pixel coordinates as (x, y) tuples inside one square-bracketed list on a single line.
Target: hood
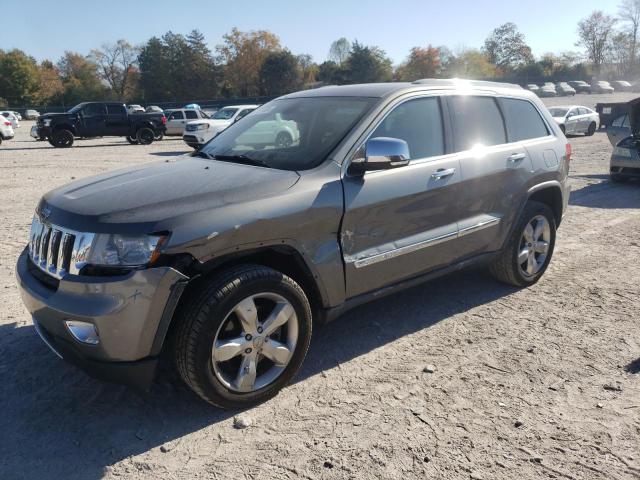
[(52, 115), (152, 197)]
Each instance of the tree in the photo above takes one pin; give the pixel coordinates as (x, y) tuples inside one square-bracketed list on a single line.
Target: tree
[(50, 88), (621, 50), (629, 15), (203, 73), (155, 79), (506, 47), (80, 79), (367, 64), (330, 73), (308, 68), (595, 32), (243, 54), (422, 63), (280, 73), (117, 67), (19, 78), (339, 51), (473, 64)]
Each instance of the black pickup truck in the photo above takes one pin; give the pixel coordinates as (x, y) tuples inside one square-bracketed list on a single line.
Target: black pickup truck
[(99, 119)]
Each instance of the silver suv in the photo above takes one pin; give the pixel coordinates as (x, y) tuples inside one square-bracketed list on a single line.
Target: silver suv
[(225, 261)]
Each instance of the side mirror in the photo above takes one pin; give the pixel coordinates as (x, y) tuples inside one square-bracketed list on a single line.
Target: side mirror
[(381, 153)]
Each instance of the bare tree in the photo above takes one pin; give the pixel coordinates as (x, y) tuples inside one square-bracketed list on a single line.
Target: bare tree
[(595, 32), (117, 66), (629, 14), (339, 51)]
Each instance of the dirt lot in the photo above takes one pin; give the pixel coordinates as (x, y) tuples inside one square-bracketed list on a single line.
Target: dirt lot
[(529, 384)]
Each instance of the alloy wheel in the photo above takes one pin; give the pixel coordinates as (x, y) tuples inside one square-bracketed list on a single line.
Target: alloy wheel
[(534, 246)]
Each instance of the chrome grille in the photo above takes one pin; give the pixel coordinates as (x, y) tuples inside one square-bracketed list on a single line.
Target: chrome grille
[(57, 251)]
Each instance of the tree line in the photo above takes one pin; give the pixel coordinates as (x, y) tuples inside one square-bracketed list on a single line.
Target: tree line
[(176, 67)]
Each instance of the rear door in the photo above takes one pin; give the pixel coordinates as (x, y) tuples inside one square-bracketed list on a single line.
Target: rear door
[(117, 120), (494, 172), (399, 223), (175, 123)]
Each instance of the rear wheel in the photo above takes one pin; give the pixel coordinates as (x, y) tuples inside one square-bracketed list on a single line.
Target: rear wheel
[(145, 136), (242, 338), (283, 140), (529, 249), (592, 129), (132, 140), (61, 139), (158, 137)]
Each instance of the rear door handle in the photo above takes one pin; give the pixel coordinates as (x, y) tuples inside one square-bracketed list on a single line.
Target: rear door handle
[(442, 173), (516, 157)]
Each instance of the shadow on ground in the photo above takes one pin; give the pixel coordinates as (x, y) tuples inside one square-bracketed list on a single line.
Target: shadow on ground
[(607, 194), (78, 426)]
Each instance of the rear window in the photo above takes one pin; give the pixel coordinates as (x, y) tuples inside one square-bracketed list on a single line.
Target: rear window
[(476, 121), (523, 120), (622, 121), (191, 114)]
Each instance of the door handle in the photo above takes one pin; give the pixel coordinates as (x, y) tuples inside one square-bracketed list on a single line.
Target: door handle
[(516, 157), (442, 173)]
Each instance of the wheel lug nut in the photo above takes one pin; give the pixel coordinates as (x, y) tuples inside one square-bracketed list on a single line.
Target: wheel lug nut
[(259, 329), (248, 350), (247, 337)]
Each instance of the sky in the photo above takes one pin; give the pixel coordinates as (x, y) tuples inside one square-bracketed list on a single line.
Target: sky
[(46, 28)]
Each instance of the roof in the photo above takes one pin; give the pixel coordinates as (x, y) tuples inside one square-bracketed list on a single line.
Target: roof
[(384, 89)]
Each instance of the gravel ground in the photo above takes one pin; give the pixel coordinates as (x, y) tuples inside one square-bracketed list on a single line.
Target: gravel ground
[(527, 384)]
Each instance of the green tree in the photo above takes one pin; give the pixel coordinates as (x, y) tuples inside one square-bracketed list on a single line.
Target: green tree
[(330, 73), (155, 74), (473, 64), (506, 47), (422, 63), (19, 77), (80, 79), (243, 54), (280, 73), (367, 64)]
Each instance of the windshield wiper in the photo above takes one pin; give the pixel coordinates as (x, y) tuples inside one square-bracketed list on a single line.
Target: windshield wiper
[(202, 154), (241, 159)]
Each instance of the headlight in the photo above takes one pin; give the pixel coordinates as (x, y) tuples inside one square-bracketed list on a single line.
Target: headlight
[(202, 126), (46, 122), (122, 250)]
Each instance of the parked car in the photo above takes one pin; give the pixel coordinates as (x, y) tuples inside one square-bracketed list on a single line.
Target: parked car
[(17, 114), (532, 87), (200, 132), (15, 123), (601, 87), (99, 119), (580, 86), (622, 86), (625, 158), (225, 260), (153, 109), (31, 114), (563, 89), (135, 109), (6, 130), (547, 90), (177, 119), (574, 119)]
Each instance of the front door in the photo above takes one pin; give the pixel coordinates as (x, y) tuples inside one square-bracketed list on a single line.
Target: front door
[(175, 123), (399, 223), (93, 120)]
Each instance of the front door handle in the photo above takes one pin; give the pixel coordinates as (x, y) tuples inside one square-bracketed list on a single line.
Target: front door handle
[(442, 173), (516, 157)]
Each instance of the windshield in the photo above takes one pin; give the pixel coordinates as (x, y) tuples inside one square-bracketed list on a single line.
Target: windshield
[(558, 112), (224, 114), (291, 133), (77, 108)]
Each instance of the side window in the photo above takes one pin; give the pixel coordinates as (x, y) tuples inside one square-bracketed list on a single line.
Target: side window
[(625, 122), (115, 110), (244, 113), (93, 109), (191, 114), (419, 123), (619, 122), (572, 113), (582, 111), (476, 121), (523, 120), (177, 115)]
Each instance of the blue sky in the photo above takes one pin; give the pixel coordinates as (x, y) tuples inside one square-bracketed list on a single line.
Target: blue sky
[(46, 28)]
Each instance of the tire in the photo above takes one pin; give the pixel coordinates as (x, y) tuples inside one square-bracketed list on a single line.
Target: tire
[(61, 139), (132, 140), (591, 130), (158, 137), (507, 268), (145, 136), (209, 314), (617, 178), (283, 140)]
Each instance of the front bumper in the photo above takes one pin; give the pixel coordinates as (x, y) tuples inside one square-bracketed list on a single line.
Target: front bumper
[(131, 314)]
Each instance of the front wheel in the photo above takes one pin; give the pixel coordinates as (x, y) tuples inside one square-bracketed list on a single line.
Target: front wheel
[(242, 338), (592, 129), (61, 139), (529, 249)]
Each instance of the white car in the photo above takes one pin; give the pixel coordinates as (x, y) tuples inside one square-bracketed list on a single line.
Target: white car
[(575, 119), (31, 114), (177, 119), (6, 130), (17, 114), (15, 122), (199, 132)]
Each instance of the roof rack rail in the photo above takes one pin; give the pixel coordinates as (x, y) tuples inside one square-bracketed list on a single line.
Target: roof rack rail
[(451, 82)]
